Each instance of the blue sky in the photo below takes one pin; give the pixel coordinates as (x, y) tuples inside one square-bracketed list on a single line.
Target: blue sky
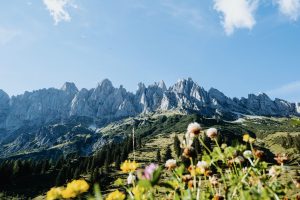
[(236, 46)]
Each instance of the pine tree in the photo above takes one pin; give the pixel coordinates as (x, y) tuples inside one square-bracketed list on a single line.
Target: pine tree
[(140, 142), (124, 155), (95, 176), (196, 145), (76, 173), (168, 154), (61, 177), (158, 156), (106, 165), (177, 146), (16, 167), (118, 162)]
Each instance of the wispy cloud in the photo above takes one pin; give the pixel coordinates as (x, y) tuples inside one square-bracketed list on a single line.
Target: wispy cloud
[(57, 9), (289, 8), (291, 90), (236, 13), (6, 35), (191, 15)]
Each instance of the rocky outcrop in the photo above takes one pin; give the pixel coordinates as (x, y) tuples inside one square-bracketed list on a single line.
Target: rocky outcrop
[(298, 108), (4, 107), (107, 103)]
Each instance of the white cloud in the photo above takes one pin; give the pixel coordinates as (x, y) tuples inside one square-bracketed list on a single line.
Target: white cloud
[(290, 90), (236, 13), (289, 8), (6, 35), (57, 9)]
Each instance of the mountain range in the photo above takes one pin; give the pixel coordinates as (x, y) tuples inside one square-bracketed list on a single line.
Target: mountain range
[(38, 119), (107, 103)]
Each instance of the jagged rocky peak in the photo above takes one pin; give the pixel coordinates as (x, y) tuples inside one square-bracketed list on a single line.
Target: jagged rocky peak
[(104, 88), (184, 86), (4, 98), (298, 107), (141, 86), (69, 87), (214, 93), (161, 84), (106, 83)]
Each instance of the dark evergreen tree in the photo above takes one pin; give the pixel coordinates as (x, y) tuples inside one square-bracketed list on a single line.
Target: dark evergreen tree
[(95, 175), (16, 168), (139, 142), (61, 177), (76, 173), (118, 162), (168, 154), (196, 145), (177, 148), (158, 156)]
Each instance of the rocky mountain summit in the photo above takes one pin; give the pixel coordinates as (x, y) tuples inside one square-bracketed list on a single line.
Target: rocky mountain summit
[(105, 103), (67, 120)]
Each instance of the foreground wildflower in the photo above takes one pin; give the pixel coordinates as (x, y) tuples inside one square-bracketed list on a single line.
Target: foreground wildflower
[(139, 192), (189, 152), (297, 183), (202, 167), (239, 160), (274, 171), (129, 166), (202, 164), (258, 153), (218, 197), (75, 188), (131, 178), (170, 164), (248, 138), (281, 158), (247, 154), (212, 133), (148, 172), (193, 129), (213, 180), (54, 193), (116, 195)]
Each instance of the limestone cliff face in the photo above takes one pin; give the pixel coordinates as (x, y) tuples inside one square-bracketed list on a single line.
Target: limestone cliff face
[(63, 118), (105, 102)]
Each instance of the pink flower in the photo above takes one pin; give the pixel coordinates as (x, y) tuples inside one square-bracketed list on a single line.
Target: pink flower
[(148, 172)]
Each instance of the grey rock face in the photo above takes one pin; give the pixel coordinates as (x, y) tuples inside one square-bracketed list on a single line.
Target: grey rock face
[(4, 107), (107, 103), (298, 107), (44, 119)]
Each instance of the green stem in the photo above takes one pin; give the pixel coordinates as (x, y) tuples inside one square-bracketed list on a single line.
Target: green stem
[(205, 145)]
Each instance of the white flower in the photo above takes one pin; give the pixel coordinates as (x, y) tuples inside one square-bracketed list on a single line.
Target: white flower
[(247, 154), (202, 164), (274, 171), (170, 164), (213, 180), (193, 129), (131, 178), (212, 133), (239, 159)]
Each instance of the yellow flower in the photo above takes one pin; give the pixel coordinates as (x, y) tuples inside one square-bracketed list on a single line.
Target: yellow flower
[(54, 193), (75, 188), (139, 192), (68, 193), (129, 166), (116, 195), (78, 186), (247, 138)]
